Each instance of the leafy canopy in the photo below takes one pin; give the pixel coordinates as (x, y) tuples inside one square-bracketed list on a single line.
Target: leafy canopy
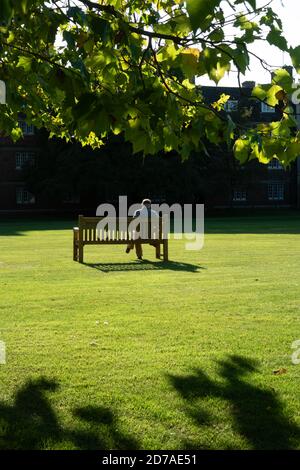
[(86, 68)]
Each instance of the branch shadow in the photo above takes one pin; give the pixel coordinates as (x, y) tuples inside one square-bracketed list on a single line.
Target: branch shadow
[(257, 413), (145, 265), (31, 423)]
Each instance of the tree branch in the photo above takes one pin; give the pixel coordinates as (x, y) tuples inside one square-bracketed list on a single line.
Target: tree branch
[(150, 34)]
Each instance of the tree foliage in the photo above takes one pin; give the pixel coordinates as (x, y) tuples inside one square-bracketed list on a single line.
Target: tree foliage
[(85, 69)]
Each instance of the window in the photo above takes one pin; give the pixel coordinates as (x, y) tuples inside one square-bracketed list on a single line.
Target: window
[(266, 108), (239, 195), (24, 157), (24, 197), (27, 129), (231, 106), (276, 191), (275, 165)]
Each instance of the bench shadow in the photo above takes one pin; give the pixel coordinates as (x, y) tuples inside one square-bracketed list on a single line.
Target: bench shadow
[(258, 415), (31, 423), (145, 265)]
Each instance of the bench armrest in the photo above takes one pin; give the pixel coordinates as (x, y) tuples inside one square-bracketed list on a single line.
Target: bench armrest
[(76, 233)]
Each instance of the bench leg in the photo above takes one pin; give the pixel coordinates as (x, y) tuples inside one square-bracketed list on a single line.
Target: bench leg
[(157, 250), (75, 250), (138, 249), (165, 250), (75, 255), (80, 254)]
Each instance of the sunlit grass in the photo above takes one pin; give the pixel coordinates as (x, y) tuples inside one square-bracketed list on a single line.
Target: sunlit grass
[(119, 353)]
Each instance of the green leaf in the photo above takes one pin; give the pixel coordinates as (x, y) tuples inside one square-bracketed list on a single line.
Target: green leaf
[(272, 99), (241, 58), (199, 10), (291, 152), (241, 150), (271, 148), (77, 15), (24, 6), (216, 63), (69, 38), (252, 3), (16, 134), (182, 24), (140, 143), (100, 27), (259, 92), (244, 24), (83, 107), (217, 73), (230, 131), (267, 93), (217, 35), (282, 78), (25, 62), (275, 38), (188, 61), (168, 52), (295, 56), (220, 103)]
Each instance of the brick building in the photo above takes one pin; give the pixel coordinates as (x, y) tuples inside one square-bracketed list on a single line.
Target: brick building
[(254, 184), (14, 195)]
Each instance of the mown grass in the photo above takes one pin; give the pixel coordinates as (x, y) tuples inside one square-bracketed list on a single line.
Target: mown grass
[(122, 354)]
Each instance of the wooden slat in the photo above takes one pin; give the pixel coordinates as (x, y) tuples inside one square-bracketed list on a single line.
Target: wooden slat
[(87, 234), (117, 242)]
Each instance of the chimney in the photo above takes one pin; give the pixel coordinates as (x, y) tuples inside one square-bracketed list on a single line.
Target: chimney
[(248, 84)]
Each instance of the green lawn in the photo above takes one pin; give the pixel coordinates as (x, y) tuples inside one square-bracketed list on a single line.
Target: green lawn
[(121, 354)]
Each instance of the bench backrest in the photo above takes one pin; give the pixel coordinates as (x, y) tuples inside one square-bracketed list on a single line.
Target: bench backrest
[(91, 230)]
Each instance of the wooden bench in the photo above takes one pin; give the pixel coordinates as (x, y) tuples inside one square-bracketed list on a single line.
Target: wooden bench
[(87, 233)]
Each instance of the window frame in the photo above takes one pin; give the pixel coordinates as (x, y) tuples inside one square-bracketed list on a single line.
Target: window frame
[(266, 109), (30, 157), (280, 190), (27, 129), (29, 199), (237, 198), (277, 165), (228, 108)]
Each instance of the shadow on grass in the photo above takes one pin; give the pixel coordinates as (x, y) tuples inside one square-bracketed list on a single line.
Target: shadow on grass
[(257, 414), (276, 221), (145, 265), (22, 225), (31, 423)]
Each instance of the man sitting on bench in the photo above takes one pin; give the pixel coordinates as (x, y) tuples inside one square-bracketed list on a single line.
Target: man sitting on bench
[(144, 211)]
